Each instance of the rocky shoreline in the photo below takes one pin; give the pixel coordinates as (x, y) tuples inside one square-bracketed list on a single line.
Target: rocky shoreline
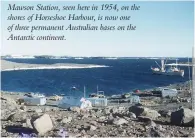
[(153, 117)]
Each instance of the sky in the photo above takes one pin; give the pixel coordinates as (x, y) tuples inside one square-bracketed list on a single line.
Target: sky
[(163, 29)]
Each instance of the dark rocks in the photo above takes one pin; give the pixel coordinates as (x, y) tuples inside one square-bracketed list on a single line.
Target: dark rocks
[(179, 100), (156, 133), (4, 134), (20, 101), (28, 123), (85, 127), (183, 117), (108, 121), (143, 111), (23, 108), (46, 109), (5, 113), (8, 107), (125, 114), (92, 127), (138, 104), (75, 109), (100, 122), (8, 100), (106, 111), (17, 117), (114, 110), (165, 113), (120, 121), (131, 115), (67, 120), (144, 119), (102, 118), (86, 115), (93, 123), (38, 110), (28, 94), (118, 110), (91, 112), (151, 124), (137, 110)]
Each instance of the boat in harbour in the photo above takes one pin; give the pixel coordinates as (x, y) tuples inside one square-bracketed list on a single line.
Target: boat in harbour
[(171, 71)]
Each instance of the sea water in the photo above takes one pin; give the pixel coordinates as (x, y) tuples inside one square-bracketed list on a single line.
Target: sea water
[(122, 76)]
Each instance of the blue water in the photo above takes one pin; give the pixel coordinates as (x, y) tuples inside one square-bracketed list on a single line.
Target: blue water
[(123, 75)]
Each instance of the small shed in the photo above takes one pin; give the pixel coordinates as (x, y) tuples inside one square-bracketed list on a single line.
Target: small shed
[(69, 101), (134, 99), (98, 101), (168, 92), (35, 100)]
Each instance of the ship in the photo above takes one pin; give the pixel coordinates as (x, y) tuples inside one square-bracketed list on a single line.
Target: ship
[(171, 71)]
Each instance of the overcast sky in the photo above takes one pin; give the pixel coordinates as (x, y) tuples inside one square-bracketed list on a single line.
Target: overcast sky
[(163, 29)]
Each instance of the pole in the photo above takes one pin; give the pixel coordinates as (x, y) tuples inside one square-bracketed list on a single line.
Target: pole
[(97, 89), (162, 64), (193, 77), (189, 73), (84, 91)]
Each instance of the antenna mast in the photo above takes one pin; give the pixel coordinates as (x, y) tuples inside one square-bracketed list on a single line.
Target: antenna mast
[(189, 75), (158, 64), (176, 62), (84, 91), (193, 77), (162, 65), (97, 89)]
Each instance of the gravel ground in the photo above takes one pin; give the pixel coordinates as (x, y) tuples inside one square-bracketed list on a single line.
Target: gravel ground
[(93, 123)]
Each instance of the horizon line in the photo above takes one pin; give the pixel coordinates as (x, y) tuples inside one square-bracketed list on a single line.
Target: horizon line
[(17, 55)]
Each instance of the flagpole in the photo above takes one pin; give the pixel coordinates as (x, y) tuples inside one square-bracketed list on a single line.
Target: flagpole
[(189, 76), (193, 77), (84, 91)]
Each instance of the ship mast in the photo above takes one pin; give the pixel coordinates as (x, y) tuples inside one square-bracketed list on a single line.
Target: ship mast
[(97, 89), (162, 65), (84, 91), (193, 77)]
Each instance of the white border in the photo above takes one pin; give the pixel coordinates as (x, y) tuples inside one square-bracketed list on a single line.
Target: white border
[(1, 43), (193, 70), (193, 49), (103, 0)]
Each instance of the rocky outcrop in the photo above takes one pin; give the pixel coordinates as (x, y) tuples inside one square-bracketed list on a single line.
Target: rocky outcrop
[(8, 100), (67, 120), (131, 115), (156, 133), (43, 124), (120, 121), (165, 113), (92, 128), (38, 111), (8, 107), (116, 121), (143, 111), (75, 109), (183, 116), (17, 117), (144, 119)]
